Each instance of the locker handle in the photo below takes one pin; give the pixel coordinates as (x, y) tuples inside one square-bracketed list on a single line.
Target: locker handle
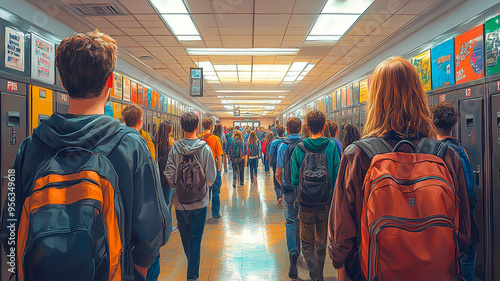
[(14, 118), (476, 177)]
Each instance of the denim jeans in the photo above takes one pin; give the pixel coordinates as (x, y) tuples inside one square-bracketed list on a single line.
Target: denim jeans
[(215, 193), (313, 233), (238, 169), (167, 193), (292, 222), (468, 262), (191, 224), (253, 163), (277, 185), (154, 269), (266, 165)]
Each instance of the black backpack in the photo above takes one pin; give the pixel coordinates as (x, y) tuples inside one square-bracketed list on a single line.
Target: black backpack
[(314, 181), (286, 185), (191, 186)]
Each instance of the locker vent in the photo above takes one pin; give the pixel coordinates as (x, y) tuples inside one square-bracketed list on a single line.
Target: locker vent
[(108, 9)]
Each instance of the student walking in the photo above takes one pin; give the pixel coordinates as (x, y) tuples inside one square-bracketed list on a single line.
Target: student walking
[(215, 145), (351, 134), (284, 177), (334, 129), (222, 136), (273, 153), (191, 170), (132, 116), (253, 154), (416, 193), (237, 154), (265, 157), (82, 180), (444, 117), (315, 164)]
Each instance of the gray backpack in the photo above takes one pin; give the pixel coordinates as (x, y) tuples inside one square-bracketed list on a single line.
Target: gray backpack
[(314, 182)]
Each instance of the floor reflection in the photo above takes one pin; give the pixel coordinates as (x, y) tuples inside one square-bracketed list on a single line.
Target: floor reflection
[(248, 243)]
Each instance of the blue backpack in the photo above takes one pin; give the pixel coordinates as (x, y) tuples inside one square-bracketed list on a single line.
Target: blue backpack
[(236, 149), (469, 175), (273, 151), (286, 185), (254, 149)]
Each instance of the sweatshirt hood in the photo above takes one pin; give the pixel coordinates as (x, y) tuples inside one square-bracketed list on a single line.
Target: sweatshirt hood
[(86, 131), (189, 146), (316, 144)]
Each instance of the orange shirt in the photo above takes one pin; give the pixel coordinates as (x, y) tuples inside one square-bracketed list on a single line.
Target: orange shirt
[(215, 144)]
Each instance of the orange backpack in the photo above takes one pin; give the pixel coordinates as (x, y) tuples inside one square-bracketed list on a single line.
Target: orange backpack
[(410, 217)]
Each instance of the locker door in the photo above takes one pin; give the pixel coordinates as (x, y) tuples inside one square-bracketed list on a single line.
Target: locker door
[(144, 120), (342, 124), (13, 132), (149, 118), (495, 144), (471, 138), (362, 118), (349, 116), (430, 101), (450, 97), (355, 116), (62, 102), (41, 105)]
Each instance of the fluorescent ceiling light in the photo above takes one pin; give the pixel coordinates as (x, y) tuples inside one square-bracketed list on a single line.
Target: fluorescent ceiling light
[(333, 24), (241, 51), (298, 66), (206, 65), (323, 38), (169, 6), (220, 97), (289, 79), (180, 24), (225, 67), (211, 78), (346, 7), (250, 101), (245, 67), (262, 67), (309, 67), (189, 38), (228, 106), (252, 91), (269, 107)]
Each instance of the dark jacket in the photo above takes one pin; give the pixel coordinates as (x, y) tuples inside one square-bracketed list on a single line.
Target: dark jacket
[(344, 229), (147, 219)]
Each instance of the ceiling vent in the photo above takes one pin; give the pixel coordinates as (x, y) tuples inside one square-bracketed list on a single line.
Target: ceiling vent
[(108, 9)]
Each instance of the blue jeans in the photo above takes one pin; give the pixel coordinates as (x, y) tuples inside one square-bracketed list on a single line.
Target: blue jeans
[(154, 269), (215, 193), (277, 185), (266, 165), (191, 224), (253, 163), (292, 222), (468, 262), (167, 193)]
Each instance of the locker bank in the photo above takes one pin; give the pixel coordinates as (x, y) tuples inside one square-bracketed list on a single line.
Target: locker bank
[(262, 62)]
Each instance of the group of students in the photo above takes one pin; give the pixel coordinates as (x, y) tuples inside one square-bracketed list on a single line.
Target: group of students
[(87, 198), (396, 204)]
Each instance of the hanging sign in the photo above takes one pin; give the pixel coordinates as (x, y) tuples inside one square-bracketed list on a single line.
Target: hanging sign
[(196, 82)]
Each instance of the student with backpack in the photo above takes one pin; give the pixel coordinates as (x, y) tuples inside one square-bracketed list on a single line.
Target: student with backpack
[(444, 117), (284, 178), (253, 154), (265, 156), (191, 170), (82, 180), (400, 209), (215, 145), (222, 136), (334, 128), (351, 134), (272, 151), (237, 154), (315, 164), (132, 116)]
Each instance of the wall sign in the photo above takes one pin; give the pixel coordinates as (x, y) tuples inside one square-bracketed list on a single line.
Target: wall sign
[(422, 63), (126, 89), (196, 82), (133, 87), (42, 60), (492, 30), (12, 86), (469, 55), (117, 86), (14, 49), (443, 65)]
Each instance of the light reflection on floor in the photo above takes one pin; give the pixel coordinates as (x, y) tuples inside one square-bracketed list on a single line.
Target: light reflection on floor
[(248, 243)]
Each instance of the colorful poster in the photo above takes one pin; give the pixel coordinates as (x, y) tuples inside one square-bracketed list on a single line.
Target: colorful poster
[(14, 49), (133, 87), (145, 95), (165, 104), (363, 90), (355, 93), (492, 30), (118, 86), (155, 100), (42, 60), (140, 97), (469, 55), (422, 63), (443, 65), (349, 95), (108, 109), (126, 89), (339, 98), (343, 98), (334, 100), (150, 98)]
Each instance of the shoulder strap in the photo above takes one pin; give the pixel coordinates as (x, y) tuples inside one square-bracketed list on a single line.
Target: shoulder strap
[(302, 146), (431, 146), (373, 146)]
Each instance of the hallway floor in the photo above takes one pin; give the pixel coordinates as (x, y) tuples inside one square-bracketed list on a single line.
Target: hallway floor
[(247, 243)]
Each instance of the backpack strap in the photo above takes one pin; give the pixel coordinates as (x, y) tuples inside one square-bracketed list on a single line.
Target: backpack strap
[(302, 147), (373, 146), (112, 144), (431, 146)]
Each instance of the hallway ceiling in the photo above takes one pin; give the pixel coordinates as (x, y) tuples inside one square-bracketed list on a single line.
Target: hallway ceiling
[(258, 84)]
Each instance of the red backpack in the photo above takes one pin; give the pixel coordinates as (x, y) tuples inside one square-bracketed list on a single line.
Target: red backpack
[(410, 216)]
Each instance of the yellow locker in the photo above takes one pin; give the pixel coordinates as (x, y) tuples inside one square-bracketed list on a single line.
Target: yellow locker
[(41, 105), (117, 109)]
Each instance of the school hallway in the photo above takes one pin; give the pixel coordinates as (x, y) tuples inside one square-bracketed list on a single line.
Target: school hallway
[(247, 243)]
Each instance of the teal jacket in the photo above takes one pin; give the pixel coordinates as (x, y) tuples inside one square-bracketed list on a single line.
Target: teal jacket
[(332, 156)]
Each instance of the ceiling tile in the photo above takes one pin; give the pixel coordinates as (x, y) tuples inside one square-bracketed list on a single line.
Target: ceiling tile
[(213, 44), (371, 40), (276, 31), (159, 31), (125, 41), (274, 6), (235, 20), (222, 8), (416, 7), (235, 31), (387, 7), (267, 41), (199, 6), (137, 7), (205, 20), (308, 6), (147, 41), (153, 24), (168, 41), (296, 31), (111, 31), (177, 51), (132, 31), (303, 21)]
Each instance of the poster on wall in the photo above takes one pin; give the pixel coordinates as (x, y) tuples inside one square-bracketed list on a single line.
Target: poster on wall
[(155, 100), (133, 86), (343, 98), (443, 65), (349, 95), (492, 30), (140, 97), (422, 63), (355, 93), (108, 109), (126, 89), (363, 90), (14, 49), (334, 100), (117, 86), (42, 60), (150, 98), (469, 55), (339, 98)]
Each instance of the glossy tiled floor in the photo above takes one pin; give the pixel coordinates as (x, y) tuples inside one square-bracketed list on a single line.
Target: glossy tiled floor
[(248, 243)]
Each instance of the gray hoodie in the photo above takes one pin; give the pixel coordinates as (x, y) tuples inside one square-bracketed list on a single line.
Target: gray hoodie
[(206, 158)]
